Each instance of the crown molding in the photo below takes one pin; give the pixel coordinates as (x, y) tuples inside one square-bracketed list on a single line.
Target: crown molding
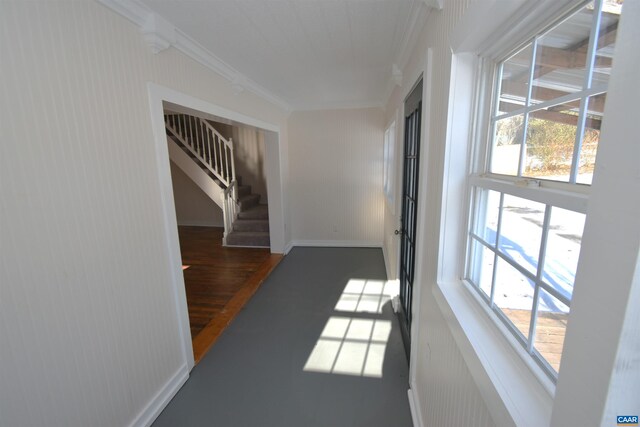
[(133, 10), (338, 106), (161, 34), (417, 19)]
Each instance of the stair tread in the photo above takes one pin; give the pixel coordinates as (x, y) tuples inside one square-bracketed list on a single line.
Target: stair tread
[(251, 224), (249, 233), (258, 208), (255, 212), (249, 238)]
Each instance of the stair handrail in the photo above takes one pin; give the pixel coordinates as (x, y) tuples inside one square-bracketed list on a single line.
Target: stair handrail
[(208, 145)]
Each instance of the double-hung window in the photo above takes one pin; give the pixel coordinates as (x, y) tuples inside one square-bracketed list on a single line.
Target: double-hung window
[(530, 188)]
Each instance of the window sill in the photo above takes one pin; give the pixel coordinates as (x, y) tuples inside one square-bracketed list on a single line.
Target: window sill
[(514, 388)]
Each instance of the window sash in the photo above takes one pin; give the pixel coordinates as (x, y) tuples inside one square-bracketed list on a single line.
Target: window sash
[(536, 278), (583, 95)]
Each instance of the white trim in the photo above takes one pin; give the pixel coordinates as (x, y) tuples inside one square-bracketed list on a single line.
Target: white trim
[(337, 243), (489, 27), (174, 265), (275, 173), (338, 106), (417, 19), (514, 388), (138, 13), (157, 96), (514, 395), (416, 410), (387, 263), (426, 74), (134, 11), (527, 188), (190, 102), (157, 404), (288, 248)]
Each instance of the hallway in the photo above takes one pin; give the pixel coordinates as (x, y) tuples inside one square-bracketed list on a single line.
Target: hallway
[(318, 345)]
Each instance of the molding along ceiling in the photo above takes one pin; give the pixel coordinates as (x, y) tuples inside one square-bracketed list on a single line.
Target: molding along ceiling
[(297, 54)]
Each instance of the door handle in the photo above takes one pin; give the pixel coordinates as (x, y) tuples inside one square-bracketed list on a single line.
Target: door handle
[(397, 232)]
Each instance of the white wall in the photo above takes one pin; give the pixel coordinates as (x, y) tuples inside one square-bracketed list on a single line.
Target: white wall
[(88, 326), (193, 206), (442, 386), (249, 154), (335, 159)]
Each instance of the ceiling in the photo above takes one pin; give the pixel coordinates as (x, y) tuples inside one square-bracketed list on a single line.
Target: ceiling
[(308, 53)]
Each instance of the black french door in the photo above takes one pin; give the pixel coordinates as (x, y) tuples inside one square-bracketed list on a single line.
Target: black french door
[(413, 110)]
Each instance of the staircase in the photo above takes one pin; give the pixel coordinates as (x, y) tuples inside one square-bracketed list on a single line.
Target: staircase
[(251, 226), (208, 159)]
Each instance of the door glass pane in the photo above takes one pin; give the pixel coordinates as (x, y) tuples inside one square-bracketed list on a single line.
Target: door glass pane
[(551, 325), (591, 138), (563, 249), (551, 138), (514, 295), (505, 154), (521, 231), (486, 215), (481, 266), (515, 81), (561, 58)]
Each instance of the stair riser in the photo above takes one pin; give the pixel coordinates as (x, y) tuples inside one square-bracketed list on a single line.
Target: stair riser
[(251, 225), (248, 202), (253, 215), (244, 190), (240, 240)]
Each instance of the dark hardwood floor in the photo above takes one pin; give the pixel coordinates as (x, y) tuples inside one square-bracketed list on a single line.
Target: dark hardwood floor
[(219, 281)]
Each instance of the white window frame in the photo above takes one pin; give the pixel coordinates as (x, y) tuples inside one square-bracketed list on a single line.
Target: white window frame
[(515, 388), (569, 195)]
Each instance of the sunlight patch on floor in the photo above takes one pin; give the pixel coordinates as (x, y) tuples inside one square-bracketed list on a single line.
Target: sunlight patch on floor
[(366, 296), (351, 346)]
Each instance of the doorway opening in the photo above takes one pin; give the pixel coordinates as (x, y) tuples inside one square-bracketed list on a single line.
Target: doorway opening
[(214, 273)]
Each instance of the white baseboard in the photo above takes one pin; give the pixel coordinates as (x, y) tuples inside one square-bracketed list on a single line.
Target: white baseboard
[(336, 243), (414, 405), (162, 398), (288, 248), (387, 264)]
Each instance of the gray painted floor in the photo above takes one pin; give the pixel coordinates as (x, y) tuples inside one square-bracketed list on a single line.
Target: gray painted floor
[(255, 374)]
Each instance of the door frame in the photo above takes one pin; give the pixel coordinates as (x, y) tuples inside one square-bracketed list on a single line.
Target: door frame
[(409, 212), (425, 72), (273, 154)]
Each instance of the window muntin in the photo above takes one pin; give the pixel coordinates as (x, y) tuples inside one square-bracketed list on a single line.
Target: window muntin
[(533, 257), (550, 82), (524, 239)]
